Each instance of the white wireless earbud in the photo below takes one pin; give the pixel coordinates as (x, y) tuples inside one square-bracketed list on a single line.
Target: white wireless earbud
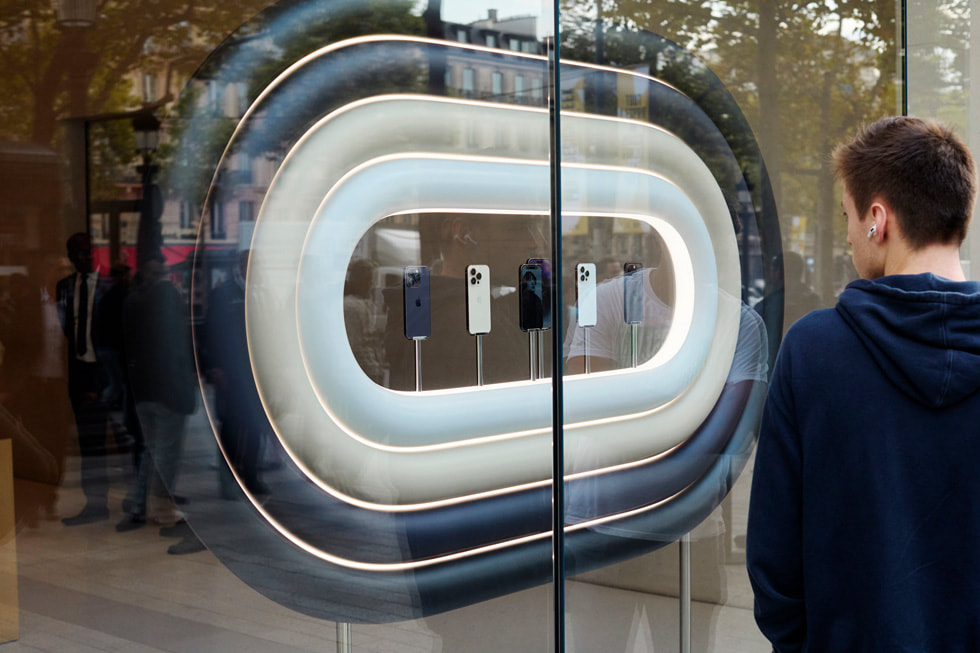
[(872, 230)]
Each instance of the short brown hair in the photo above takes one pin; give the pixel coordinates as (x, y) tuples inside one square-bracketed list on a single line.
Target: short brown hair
[(920, 168)]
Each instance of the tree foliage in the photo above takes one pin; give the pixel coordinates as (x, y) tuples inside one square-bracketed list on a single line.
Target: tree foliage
[(804, 73), (49, 72)]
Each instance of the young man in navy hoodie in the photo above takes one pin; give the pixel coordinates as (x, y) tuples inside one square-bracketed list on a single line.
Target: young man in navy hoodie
[(864, 524)]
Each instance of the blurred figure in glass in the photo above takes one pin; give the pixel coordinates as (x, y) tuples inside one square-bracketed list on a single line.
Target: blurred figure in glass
[(79, 297), (361, 317), (160, 367), (237, 402)]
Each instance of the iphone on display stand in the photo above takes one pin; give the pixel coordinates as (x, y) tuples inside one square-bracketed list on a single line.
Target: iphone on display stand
[(532, 320), (532, 297), (545, 265), (418, 321), (478, 310), (633, 301), (586, 310), (546, 303)]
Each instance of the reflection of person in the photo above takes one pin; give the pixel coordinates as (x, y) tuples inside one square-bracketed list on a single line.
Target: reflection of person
[(609, 339), (109, 336), (49, 421), (532, 307), (863, 517), (158, 356), (607, 268), (237, 401), (78, 299), (800, 298), (709, 579), (361, 320)]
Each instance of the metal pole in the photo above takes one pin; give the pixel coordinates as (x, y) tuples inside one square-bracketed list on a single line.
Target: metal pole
[(685, 592), (540, 335), (532, 355), (557, 311), (479, 359), (633, 346), (418, 364), (588, 363), (344, 644)]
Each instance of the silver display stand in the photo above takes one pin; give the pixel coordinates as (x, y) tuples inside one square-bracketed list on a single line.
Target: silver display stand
[(344, 644), (588, 361), (532, 349), (418, 364), (479, 359), (540, 338), (685, 593), (633, 346)]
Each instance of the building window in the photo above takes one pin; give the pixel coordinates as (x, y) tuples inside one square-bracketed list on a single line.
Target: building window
[(246, 211), (537, 93), (491, 40), (215, 96), (497, 84), (186, 218), (515, 44), (529, 47), (468, 75), (462, 36), (241, 90), (149, 88), (217, 221), (244, 168), (519, 88)]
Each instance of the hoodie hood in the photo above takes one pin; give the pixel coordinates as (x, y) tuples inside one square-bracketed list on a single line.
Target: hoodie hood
[(923, 331)]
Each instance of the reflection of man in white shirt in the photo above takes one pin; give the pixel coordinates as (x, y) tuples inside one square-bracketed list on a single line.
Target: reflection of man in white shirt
[(610, 345), (78, 298), (90, 278)]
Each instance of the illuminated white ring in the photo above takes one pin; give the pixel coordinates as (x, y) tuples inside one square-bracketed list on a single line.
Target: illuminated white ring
[(431, 421), (293, 191)]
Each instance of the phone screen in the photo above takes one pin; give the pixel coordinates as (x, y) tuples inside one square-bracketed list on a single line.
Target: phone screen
[(545, 265), (418, 323), (633, 292), (532, 297)]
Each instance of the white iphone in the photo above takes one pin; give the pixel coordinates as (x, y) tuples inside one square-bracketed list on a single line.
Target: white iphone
[(585, 294), (478, 299)]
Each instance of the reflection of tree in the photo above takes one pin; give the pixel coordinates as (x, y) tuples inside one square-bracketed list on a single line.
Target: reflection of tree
[(48, 73), (259, 52), (804, 74)]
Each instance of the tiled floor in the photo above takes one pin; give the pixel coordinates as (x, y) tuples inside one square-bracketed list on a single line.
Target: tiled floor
[(90, 588)]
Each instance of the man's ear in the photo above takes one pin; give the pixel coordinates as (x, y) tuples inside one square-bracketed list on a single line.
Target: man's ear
[(882, 218)]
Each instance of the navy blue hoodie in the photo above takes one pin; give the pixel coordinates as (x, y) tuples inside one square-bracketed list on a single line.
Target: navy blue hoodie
[(864, 523)]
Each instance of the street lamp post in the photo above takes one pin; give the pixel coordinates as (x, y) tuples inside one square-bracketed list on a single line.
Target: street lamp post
[(149, 239)]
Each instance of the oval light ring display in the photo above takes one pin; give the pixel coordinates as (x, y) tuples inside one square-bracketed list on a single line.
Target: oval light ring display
[(451, 488)]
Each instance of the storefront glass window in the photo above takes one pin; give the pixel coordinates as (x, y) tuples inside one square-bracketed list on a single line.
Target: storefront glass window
[(292, 340)]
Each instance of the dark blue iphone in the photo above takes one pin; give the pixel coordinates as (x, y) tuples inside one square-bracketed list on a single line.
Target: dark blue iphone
[(633, 292), (418, 323)]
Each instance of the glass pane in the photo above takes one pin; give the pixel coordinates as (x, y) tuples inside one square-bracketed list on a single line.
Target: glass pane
[(708, 126), (940, 69), (305, 365)]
